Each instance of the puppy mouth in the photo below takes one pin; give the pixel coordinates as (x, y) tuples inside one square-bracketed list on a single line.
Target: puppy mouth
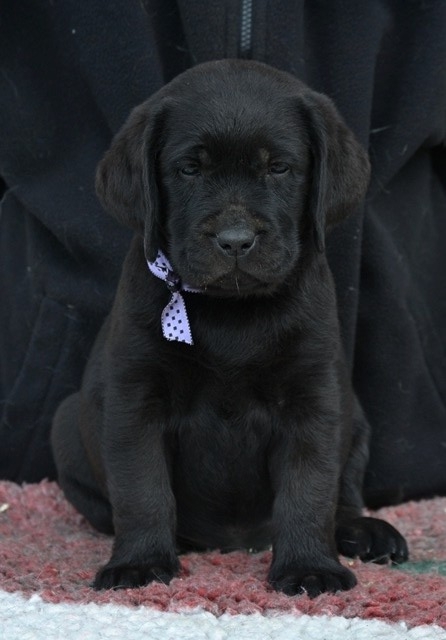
[(237, 283), (216, 271), (234, 277)]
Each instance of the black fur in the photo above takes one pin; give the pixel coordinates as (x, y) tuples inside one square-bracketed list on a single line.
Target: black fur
[(252, 435)]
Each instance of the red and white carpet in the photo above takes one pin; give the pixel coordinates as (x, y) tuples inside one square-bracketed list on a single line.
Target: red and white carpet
[(49, 555)]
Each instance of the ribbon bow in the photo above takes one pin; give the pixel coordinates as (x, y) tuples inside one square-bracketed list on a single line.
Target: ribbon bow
[(174, 321)]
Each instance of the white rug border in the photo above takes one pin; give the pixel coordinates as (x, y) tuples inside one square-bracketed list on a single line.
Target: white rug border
[(34, 619)]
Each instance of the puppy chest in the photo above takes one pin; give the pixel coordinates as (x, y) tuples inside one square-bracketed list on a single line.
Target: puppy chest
[(221, 459)]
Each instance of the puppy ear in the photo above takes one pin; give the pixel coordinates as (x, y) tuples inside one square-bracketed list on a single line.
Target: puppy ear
[(341, 168), (126, 176)]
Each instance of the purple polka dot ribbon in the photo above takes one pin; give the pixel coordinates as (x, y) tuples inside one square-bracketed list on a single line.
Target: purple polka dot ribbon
[(174, 320)]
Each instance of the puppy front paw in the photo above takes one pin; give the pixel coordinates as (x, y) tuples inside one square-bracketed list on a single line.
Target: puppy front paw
[(132, 576), (295, 579), (371, 540)]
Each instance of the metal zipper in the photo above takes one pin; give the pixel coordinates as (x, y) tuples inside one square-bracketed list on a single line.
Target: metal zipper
[(246, 29)]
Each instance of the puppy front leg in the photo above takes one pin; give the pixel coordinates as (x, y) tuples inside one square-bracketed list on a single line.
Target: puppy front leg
[(305, 477), (143, 505)]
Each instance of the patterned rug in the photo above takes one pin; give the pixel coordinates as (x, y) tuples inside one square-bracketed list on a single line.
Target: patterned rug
[(49, 555)]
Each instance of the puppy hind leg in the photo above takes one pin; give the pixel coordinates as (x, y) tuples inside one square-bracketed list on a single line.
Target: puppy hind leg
[(350, 501), (370, 539), (75, 476)]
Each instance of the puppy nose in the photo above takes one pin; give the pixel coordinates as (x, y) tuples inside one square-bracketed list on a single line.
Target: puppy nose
[(237, 241)]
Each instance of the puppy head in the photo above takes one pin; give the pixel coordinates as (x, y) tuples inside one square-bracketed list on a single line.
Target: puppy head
[(230, 169)]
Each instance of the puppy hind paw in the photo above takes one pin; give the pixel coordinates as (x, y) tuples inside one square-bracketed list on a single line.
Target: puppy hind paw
[(371, 540), (313, 582), (130, 577)]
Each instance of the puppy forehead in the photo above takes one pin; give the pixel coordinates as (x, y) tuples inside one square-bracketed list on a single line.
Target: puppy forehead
[(254, 127), (214, 149)]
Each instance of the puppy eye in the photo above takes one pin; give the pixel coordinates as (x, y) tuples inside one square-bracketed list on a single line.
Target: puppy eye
[(190, 170), (278, 168)]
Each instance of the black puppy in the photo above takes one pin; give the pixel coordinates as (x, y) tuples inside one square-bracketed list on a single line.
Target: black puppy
[(216, 410)]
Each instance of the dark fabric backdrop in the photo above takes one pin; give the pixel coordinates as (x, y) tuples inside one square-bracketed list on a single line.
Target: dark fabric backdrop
[(71, 72)]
